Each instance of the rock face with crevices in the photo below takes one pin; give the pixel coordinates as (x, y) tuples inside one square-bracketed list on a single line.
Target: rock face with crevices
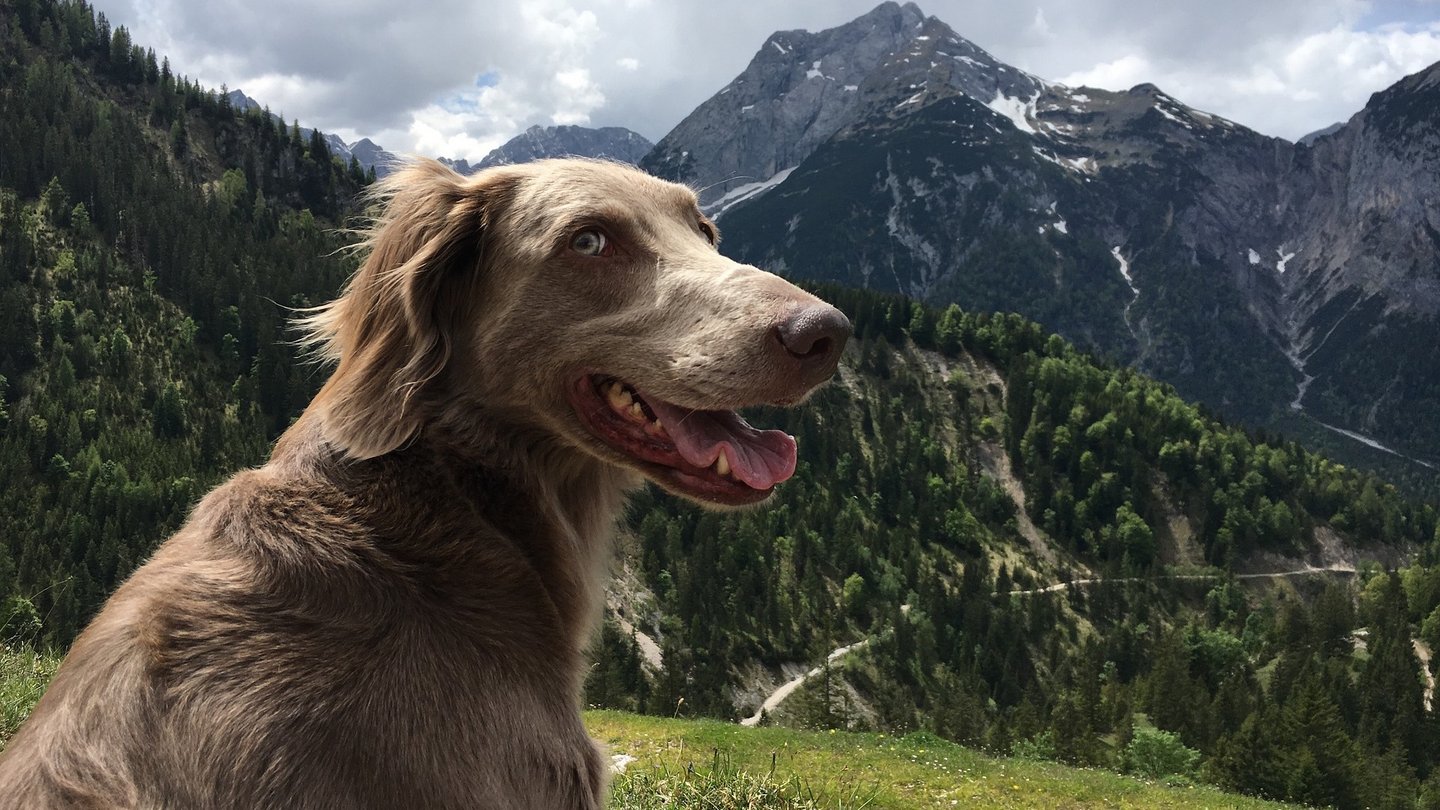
[(538, 143), (1286, 284), (799, 89)]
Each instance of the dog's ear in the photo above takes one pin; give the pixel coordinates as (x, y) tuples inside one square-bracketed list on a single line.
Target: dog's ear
[(392, 328)]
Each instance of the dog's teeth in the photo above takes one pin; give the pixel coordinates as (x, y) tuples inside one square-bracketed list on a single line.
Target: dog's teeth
[(722, 465), (655, 428), (637, 412), (618, 397)]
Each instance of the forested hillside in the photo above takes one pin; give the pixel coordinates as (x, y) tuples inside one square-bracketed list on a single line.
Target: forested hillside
[(960, 458), (151, 239), (153, 242)]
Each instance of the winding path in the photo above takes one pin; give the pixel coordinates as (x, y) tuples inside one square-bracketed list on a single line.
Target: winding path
[(1338, 568), (784, 690)]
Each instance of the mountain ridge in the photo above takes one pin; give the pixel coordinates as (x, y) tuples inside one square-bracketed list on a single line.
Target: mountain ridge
[(536, 143), (1140, 210)]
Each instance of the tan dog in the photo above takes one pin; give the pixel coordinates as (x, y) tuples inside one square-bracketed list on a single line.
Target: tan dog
[(393, 612)]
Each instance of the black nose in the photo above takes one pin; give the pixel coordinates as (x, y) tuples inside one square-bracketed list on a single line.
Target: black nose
[(815, 335)]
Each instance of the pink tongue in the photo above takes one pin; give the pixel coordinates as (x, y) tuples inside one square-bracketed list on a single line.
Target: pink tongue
[(760, 458)]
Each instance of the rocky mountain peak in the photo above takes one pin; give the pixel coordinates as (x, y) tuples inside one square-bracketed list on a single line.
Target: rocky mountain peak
[(938, 63), (800, 88), (538, 142)]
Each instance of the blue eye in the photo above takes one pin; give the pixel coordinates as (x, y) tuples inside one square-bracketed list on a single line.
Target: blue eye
[(589, 243)]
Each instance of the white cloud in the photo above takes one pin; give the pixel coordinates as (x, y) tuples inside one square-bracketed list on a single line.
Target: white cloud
[(406, 76), (1118, 74), (1291, 85), (435, 130), (1039, 27)]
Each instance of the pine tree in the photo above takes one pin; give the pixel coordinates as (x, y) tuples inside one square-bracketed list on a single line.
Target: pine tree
[(1320, 755), (1390, 687)]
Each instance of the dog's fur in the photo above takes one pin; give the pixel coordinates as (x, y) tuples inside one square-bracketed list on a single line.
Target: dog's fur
[(393, 611)]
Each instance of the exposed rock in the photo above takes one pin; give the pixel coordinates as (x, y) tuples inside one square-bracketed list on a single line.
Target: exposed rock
[(1257, 274), (537, 143)]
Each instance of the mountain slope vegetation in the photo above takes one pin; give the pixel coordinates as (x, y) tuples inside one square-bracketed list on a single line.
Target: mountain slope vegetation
[(151, 239)]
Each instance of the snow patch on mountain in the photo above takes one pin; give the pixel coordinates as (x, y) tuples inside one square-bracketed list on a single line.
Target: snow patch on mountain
[(748, 191), (1173, 117), (1284, 260), (926, 254), (1018, 110), (1080, 165), (1124, 264)]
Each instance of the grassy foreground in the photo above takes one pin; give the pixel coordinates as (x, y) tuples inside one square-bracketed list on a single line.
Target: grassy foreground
[(23, 678), (720, 766), (710, 765)]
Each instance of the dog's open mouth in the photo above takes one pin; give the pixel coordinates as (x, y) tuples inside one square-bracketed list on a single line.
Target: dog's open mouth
[(712, 455)]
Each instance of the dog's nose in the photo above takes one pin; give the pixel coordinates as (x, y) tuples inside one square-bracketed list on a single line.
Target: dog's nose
[(815, 335)]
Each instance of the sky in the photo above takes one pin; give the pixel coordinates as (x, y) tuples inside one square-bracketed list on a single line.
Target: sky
[(456, 78)]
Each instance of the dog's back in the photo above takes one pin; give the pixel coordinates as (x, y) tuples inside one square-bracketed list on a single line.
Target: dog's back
[(301, 647)]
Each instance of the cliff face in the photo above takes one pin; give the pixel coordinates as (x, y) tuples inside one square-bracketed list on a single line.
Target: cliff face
[(538, 143), (798, 91)]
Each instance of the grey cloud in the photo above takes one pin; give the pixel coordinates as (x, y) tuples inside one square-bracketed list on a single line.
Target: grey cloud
[(368, 66)]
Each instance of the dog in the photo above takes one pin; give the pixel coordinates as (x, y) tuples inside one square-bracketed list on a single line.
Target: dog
[(393, 612)]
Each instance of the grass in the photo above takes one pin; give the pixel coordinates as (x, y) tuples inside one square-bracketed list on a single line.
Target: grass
[(710, 765), (721, 785), (720, 766), (23, 677)]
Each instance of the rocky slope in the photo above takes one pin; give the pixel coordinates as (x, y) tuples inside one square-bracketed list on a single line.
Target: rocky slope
[(537, 143), (1286, 284)]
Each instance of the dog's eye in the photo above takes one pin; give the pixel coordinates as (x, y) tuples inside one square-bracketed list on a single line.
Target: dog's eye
[(589, 243), (707, 231)]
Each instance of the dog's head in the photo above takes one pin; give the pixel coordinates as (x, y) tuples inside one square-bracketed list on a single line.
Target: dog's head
[(580, 299)]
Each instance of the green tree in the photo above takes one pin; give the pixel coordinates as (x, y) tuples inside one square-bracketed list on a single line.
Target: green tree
[(1155, 754)]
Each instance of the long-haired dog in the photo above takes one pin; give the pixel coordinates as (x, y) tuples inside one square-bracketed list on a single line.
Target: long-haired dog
[(393, 612)]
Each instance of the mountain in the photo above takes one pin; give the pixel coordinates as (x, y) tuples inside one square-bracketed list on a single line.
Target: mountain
[(538, 143), (1291, 286), (243, 103), (1309, 138), (535, 143)]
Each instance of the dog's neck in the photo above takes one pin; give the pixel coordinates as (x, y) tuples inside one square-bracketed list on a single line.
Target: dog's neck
[(558, 505)]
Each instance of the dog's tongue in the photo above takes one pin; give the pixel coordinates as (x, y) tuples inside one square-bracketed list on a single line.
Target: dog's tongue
[(760, 458)]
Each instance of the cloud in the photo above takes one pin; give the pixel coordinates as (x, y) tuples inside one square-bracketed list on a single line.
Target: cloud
[(455, 77), (1119, 74), (1289, 86)]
